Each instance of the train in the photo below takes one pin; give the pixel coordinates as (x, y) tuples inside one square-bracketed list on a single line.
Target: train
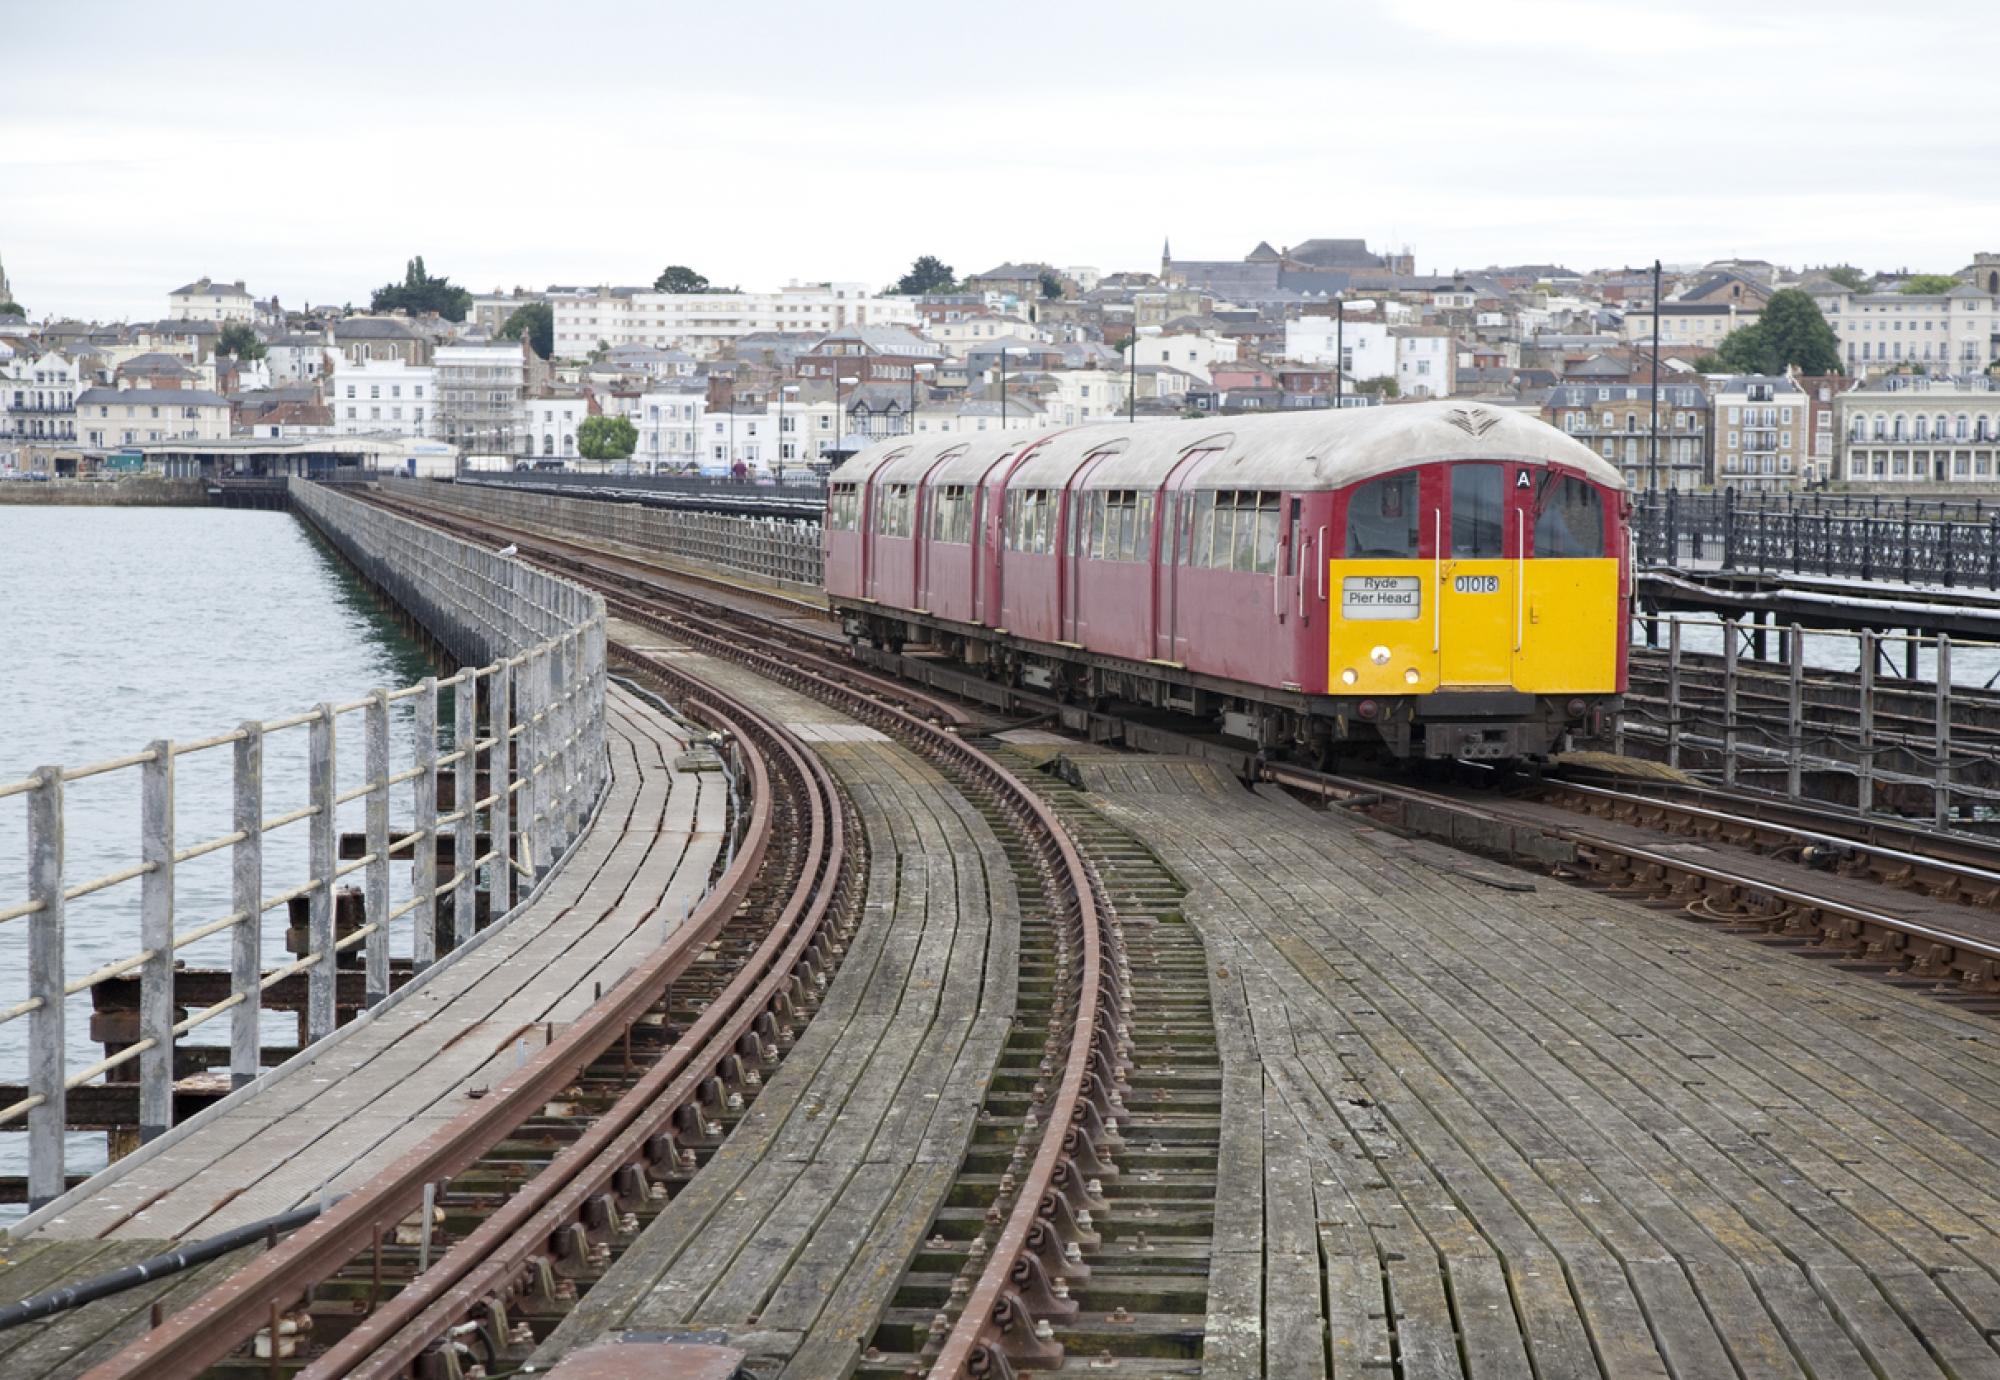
[(1429, 580)]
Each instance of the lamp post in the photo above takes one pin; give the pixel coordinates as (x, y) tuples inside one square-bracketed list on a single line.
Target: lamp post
[(1132, 374), (1653, 440), (910, 421), (782, 390), (1003, 387)]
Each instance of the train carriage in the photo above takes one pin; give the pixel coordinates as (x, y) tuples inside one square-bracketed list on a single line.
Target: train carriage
[(1448, 580)]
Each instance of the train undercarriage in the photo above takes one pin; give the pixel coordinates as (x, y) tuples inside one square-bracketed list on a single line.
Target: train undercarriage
[(1480, 724)]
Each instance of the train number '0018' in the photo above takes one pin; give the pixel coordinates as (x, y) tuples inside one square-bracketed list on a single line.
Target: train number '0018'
[(1475, 584)]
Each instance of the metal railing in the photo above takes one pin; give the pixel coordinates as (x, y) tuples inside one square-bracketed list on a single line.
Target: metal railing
[(1903, 714), (1915, 541), (526, 728), (785, 551), (799, 481)]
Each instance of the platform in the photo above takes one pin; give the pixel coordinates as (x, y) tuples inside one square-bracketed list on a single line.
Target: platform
[(386, 1084), (1475, 1129), (793, 1238)]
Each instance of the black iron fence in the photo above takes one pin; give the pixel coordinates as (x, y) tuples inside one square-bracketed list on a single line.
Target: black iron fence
[(1916, 541)]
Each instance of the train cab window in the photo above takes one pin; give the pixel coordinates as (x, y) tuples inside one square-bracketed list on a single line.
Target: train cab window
[(1382, 519), (843, 508), (951, 514), (1478, 510), (1569, 518), (892, 511)]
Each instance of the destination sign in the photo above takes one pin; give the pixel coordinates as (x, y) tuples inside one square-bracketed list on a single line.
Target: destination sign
[(1381, 596)]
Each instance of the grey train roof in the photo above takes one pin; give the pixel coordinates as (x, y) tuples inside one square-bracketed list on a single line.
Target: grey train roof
[(1297, 452)]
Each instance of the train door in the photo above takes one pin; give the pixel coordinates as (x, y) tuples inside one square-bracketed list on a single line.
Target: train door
[(1477, 574), (1175, 508)]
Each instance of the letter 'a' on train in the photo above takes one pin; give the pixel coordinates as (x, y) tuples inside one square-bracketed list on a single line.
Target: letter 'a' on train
[(1433, 580)]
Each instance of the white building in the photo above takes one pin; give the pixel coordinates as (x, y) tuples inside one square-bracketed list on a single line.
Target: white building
[(1193, 353), (203, 300), (1365, 348), (1426, 361), (107, 418), (1085, 395), (702, 322), (303, 358), (38, 401), (669, 425), (1923, 431), (552, 424), (1956, 332), (481, 391), (383, 397)]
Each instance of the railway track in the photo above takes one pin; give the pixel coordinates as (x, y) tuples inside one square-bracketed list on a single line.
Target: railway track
[(455, 1255), (1929, 922), (562, 1163)]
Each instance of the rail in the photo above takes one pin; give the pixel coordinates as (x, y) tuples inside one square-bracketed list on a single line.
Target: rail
[(533, 649), (783, 551)]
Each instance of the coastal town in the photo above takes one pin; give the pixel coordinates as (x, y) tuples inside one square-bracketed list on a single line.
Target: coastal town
[(1736, 375)]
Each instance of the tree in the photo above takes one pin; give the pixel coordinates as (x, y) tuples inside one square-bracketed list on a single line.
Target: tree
[(607, 438), (1052, 289), (928, 274), (537, 321), (419, 293), (1929, 284), (1386, 385), (679, 278), (13, 309), (239, 340), (1848, 276), (1790, 333)]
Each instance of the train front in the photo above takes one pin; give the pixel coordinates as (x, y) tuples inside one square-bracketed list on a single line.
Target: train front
[(1479, 608)]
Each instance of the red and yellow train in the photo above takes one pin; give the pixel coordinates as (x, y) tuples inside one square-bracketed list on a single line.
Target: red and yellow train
[(1445, 579)]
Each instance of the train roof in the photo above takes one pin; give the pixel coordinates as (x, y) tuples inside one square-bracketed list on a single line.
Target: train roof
[(1298, 452)]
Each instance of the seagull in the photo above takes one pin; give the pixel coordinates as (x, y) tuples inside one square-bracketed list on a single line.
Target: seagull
[(509, 550)]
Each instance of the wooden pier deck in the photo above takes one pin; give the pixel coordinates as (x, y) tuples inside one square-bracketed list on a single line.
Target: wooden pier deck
[(794, 1237), (388, 1082), (1481, 1125)]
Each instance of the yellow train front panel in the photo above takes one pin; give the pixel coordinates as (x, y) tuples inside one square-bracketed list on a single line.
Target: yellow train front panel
[(1406, 627)]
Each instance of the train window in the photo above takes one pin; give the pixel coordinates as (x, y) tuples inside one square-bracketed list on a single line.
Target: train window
[(843, 508), (1122, 525), (1200, 522), (1478, 510), (1236, 531), (951, 514), (1031, 521), (892, 512), (1382, 519), (1569, 518)]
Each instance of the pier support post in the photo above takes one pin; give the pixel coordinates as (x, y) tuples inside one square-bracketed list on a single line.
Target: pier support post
[(1674, 692), (500, 777), (375, 879), (1865, 784), (1941, 794), (1796, 704), (423, 852), (320, 986), (465, 795), (156, 938), (1730, 634), (246, 936), (47, 1071)]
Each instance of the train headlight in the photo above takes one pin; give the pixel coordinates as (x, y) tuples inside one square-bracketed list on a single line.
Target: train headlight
[(1380, 656), (1348, 677), (1412, 676)]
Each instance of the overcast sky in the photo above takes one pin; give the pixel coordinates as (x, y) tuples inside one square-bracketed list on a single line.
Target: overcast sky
[(310, 150)]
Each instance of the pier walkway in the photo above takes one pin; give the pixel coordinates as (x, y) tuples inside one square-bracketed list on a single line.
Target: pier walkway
[(386, 1083), (1480, 1125), (794, 1237)]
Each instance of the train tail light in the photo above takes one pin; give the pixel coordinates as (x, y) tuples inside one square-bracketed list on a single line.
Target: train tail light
[(1367, 709), (1577, 708)]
